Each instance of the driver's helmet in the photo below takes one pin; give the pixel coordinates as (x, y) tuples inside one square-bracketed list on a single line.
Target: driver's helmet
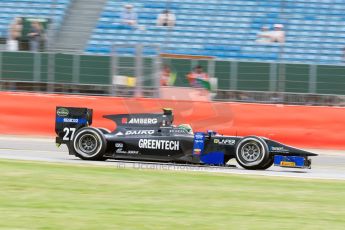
[(186, 127)]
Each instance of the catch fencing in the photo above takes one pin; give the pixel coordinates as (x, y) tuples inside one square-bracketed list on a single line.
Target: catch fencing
[(120, 74)]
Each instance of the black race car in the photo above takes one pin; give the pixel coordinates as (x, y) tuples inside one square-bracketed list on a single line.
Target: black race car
[(153, 137)]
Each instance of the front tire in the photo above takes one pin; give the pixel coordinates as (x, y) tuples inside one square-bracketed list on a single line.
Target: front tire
[(268, 163), (89, 144), (252, 153)]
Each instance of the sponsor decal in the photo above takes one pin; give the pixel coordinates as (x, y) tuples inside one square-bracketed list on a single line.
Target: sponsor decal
[(287, 164), (119, 134), (132, 152), (197, 151), (121, 151), (139, 132), (199, 136), (177, 131), (278, 149), (70, 120), (224, 141), (143, 121), (124, 120), (159, 144), (62, 112), (119, 145)]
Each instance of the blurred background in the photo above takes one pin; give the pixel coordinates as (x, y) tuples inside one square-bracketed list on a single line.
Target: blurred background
[(263, 51)]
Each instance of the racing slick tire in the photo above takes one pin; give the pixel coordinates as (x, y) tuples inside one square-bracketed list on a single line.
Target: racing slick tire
[(268, 163), (252, 153), (89, 144), (104, 130)]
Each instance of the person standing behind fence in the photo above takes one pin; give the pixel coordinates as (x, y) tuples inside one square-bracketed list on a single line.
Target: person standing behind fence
[(166, 18), (198, 78), (35, 36), (14, 35), (167, 77)]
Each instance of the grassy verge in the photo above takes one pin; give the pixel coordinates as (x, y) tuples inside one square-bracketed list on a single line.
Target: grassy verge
[(57, 196)]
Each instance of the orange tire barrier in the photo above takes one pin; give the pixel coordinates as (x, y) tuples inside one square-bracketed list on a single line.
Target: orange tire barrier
[(304, 126)]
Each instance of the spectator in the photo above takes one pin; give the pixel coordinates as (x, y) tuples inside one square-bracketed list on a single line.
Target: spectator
[(264, 35), (278, 35), (15, 34), (197, 78), (128, 16), (166, 18), (35, 36), (167, 77)]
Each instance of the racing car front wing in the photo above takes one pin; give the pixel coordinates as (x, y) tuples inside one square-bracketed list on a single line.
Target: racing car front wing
[(292, 161)]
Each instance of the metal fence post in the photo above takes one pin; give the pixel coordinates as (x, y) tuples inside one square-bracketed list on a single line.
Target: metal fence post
[(37, 69), (76, 70), (273, 77), (312, 78), (233, 75), (156, 72), (113, 71), (51, 72), (139, 70), (211, 68), (281, 77)]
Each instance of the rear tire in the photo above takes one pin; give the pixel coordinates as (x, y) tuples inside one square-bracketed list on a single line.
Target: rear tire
[(252, 153), (89, 144), (104, 130)]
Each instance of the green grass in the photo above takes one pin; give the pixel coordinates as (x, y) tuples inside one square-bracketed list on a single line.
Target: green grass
[(57, 196)]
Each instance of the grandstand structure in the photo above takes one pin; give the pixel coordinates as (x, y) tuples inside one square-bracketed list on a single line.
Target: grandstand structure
[(315, 29)]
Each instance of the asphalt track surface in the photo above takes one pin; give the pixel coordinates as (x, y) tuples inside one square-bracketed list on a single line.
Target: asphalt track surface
[(330, 164)]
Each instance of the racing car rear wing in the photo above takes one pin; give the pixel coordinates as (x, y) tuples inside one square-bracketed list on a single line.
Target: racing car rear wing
[(70, 119), (142, 120)]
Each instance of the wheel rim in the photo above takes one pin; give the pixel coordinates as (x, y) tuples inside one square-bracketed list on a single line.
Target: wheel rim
[(251, 151), (259, 151), (88, 144)]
